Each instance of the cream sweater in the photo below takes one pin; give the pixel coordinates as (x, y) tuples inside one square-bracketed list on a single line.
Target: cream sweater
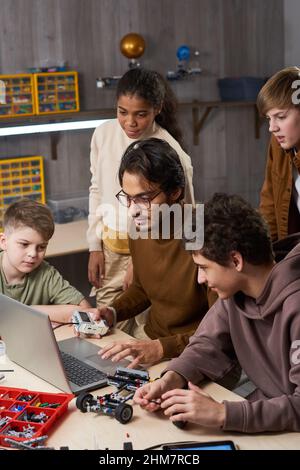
[(108, 144)]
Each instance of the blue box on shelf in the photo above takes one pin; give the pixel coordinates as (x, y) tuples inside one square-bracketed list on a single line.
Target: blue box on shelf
[(240, 88)]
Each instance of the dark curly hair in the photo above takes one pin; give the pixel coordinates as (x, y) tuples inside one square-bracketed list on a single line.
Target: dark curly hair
[(232, 224), (152, 87), (156, 161)]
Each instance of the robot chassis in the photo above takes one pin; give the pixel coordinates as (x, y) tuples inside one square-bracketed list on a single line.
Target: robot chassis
[(114, 404)]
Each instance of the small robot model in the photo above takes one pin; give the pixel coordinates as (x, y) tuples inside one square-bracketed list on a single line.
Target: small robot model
[(84, 324), (114, 404), (188, 64)]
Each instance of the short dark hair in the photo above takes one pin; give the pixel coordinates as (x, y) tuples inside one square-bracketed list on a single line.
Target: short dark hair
[(232, 224), (29, 213), (156, 161)]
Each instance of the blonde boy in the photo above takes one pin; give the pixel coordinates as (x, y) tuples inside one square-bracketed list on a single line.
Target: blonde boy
[(24, 275)]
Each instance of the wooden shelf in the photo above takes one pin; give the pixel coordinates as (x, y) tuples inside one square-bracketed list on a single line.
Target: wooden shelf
[(110, 113), (57, 118), (208, 106)]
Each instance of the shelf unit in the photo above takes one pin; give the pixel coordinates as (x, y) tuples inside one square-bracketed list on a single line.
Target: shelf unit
[(32, 121), (209, 106), (56, 92), (19, 96), (110, 113), (21, 177)]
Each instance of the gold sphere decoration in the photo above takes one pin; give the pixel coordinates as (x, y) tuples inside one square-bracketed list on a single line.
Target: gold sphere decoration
[(132, 45)]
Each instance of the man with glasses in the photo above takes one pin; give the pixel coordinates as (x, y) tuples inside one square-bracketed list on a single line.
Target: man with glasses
[(165, 277)]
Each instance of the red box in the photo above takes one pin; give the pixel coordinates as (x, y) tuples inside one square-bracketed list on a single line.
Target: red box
[(21, 406)]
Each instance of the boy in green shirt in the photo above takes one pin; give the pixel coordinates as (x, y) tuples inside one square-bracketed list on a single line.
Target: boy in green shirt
[(24, 275)]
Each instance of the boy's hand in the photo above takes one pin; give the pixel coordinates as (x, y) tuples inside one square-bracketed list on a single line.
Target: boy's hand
[(150, 395), (194, 406), (96, 268), (143, 351)]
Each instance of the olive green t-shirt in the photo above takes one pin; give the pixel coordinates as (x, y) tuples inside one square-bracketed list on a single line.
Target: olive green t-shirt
[(43, 286)]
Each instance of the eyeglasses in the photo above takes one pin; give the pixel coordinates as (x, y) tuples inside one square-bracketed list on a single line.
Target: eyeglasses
[(141, 201)]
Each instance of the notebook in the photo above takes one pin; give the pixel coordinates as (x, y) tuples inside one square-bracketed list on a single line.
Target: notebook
[(72, 365)]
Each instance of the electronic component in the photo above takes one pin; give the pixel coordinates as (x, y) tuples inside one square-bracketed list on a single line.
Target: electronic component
[(86, 325), (210, 445)]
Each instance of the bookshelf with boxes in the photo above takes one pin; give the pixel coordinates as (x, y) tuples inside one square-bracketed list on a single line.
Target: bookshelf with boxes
[(20, 177), (56, 92), (39, 93), (18, 96)]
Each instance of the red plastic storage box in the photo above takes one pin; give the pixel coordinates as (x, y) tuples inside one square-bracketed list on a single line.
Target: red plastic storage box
[(21, 411)]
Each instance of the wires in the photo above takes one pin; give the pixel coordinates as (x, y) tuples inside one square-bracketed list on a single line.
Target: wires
[(59, 324)]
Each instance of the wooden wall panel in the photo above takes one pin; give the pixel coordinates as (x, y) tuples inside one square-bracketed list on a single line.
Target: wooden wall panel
[(291, 32), (234, 37)]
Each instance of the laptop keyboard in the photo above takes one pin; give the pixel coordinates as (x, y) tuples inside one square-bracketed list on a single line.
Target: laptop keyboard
[(80, 373)]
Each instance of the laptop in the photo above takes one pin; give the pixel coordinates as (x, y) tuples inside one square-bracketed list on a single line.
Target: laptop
[(72, 365)]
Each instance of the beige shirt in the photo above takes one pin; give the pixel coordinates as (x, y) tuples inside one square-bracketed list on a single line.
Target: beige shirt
[(108, 145)]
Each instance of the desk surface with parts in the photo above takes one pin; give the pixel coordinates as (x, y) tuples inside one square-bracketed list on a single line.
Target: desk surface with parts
[(92, 431)]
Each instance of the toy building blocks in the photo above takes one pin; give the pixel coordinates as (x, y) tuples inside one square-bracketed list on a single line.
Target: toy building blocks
[(109, 404), (18, 95), (84, 324), (28, 415), (36, 443), (132, 379), (21, 177), (114, 404), (56, 92)]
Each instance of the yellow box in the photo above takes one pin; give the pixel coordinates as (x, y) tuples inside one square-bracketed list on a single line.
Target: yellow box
[(17, 95), (21, 177), (56, 92)]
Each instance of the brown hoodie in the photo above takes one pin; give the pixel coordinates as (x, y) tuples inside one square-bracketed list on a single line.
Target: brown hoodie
[(260, 334)]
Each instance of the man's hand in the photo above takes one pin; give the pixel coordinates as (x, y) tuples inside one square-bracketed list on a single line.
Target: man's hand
[(149, 396), (194, 406), (96, 268), (105, 313), (97, 314), (143, 351), (128, 278)]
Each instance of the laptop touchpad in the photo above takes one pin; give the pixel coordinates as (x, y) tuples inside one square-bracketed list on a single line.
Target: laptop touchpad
[(106, 365)]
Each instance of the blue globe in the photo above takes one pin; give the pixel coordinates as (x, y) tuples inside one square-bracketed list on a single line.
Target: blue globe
[(183, 52)]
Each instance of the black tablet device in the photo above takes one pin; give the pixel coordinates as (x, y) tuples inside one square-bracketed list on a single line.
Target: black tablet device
[(210, 445)]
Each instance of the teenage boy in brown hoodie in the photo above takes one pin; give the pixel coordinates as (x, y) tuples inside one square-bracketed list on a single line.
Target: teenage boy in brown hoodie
[(256, 321)]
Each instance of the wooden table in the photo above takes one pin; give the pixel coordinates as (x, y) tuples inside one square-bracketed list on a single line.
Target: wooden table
[(91, 431)]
